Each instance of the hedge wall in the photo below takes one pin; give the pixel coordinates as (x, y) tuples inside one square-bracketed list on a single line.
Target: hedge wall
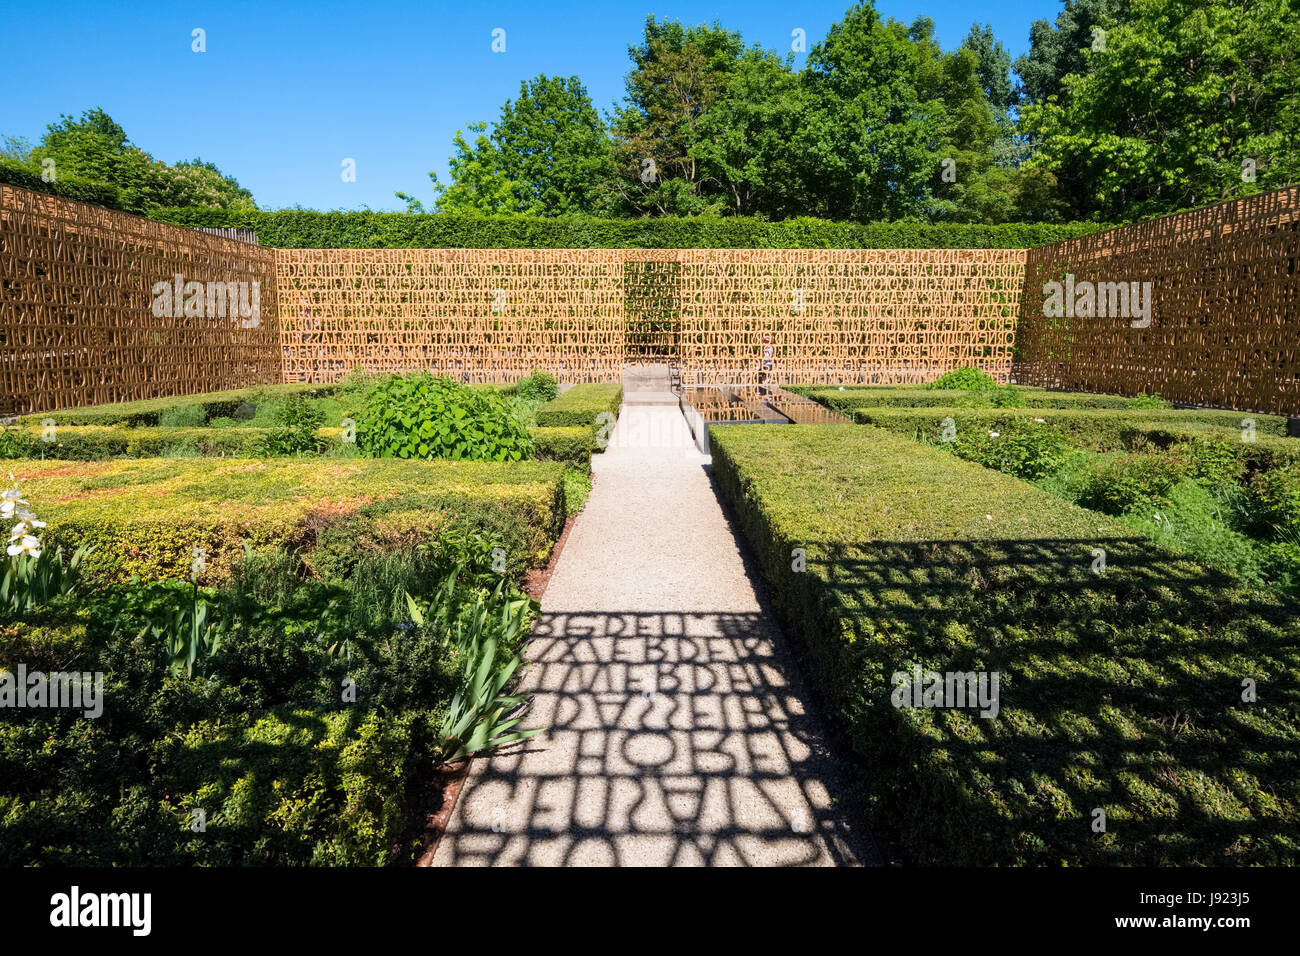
[(307, 229), (1119, 690), (13, 173)]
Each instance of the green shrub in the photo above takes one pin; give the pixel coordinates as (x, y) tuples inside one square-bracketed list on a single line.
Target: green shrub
[(1102, 429), (1022, 448), (851, 398), (145, 516), (966, 379), (1143, 400), (182, 416), (1123, 481), (421, 416), (582, 405), (538, 387), (146, 412), (294, 432), (1276, 497), (1118, 689)]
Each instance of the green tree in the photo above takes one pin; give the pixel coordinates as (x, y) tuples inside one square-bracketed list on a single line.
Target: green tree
[(678, 74), (869, 140), (1059, 50), (1185, 92), (994, 67), (545, 155), (95, 149), (744, 141)]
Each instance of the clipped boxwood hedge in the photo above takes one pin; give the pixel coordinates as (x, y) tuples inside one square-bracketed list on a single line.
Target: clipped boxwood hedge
[(145, 516), (1101, 429), (1119, 691), (146, 411), (848, 399), (308, 229), (572, 444), (581, 405)]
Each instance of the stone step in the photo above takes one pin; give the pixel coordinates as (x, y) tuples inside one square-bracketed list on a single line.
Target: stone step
[(648, 396)]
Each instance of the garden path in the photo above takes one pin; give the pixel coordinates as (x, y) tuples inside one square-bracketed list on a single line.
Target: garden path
[(678, 732)]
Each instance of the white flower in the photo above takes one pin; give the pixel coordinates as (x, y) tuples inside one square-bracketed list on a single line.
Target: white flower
[(28, 545), (990, 517), (995, 434)]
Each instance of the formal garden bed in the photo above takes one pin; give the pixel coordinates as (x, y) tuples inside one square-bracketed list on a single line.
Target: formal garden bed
[(1131, 570), (1121, 681), (302, 602)]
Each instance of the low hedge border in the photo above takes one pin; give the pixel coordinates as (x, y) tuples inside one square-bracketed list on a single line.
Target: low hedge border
[(849, 399), (1119, 690), (146, 411), (581, 405), (1105, 429), (572, 444), (146, 516)]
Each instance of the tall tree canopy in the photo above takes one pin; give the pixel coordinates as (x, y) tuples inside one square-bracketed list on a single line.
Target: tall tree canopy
[(1190, 102), (95, 149), (546, 155)]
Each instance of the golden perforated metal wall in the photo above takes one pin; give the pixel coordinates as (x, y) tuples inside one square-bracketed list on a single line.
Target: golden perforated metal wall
[(1223, 327), (77, 307), (491, 315)]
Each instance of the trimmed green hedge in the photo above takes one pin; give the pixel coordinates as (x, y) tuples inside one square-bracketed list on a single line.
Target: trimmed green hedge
[(307, 229), (1100, 429), (581, 405), (1119, 691), (848, 399), (92, 442), (14, 173), (572, 444), (146, 411), (145, 516)]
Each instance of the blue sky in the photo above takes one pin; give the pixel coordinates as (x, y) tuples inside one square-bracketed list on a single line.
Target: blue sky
[(287, 90)]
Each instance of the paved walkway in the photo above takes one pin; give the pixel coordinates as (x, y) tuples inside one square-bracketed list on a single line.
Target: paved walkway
[(677, 733)]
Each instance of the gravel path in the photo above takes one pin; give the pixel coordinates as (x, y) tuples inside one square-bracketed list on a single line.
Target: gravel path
[(678, 734)]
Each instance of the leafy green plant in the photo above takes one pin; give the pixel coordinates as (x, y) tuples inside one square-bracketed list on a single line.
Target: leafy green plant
[(1143, 400), (182, 416), (538, 387), (186, 633), (486, 628), (294, 431), (966, 379), (1120, 482), (32, 574), (421, 416), (1016, 446)]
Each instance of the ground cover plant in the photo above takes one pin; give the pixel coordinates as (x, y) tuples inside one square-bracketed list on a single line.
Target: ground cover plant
[(285, 727), (1121, 689), (285, 645)]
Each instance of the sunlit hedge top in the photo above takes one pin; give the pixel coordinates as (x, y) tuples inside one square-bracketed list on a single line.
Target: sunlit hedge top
[(305, 229)]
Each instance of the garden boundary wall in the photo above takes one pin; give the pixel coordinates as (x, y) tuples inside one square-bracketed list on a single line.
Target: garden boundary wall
[(81, 321), (1223, 324), (82, 316), (483, 315)]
